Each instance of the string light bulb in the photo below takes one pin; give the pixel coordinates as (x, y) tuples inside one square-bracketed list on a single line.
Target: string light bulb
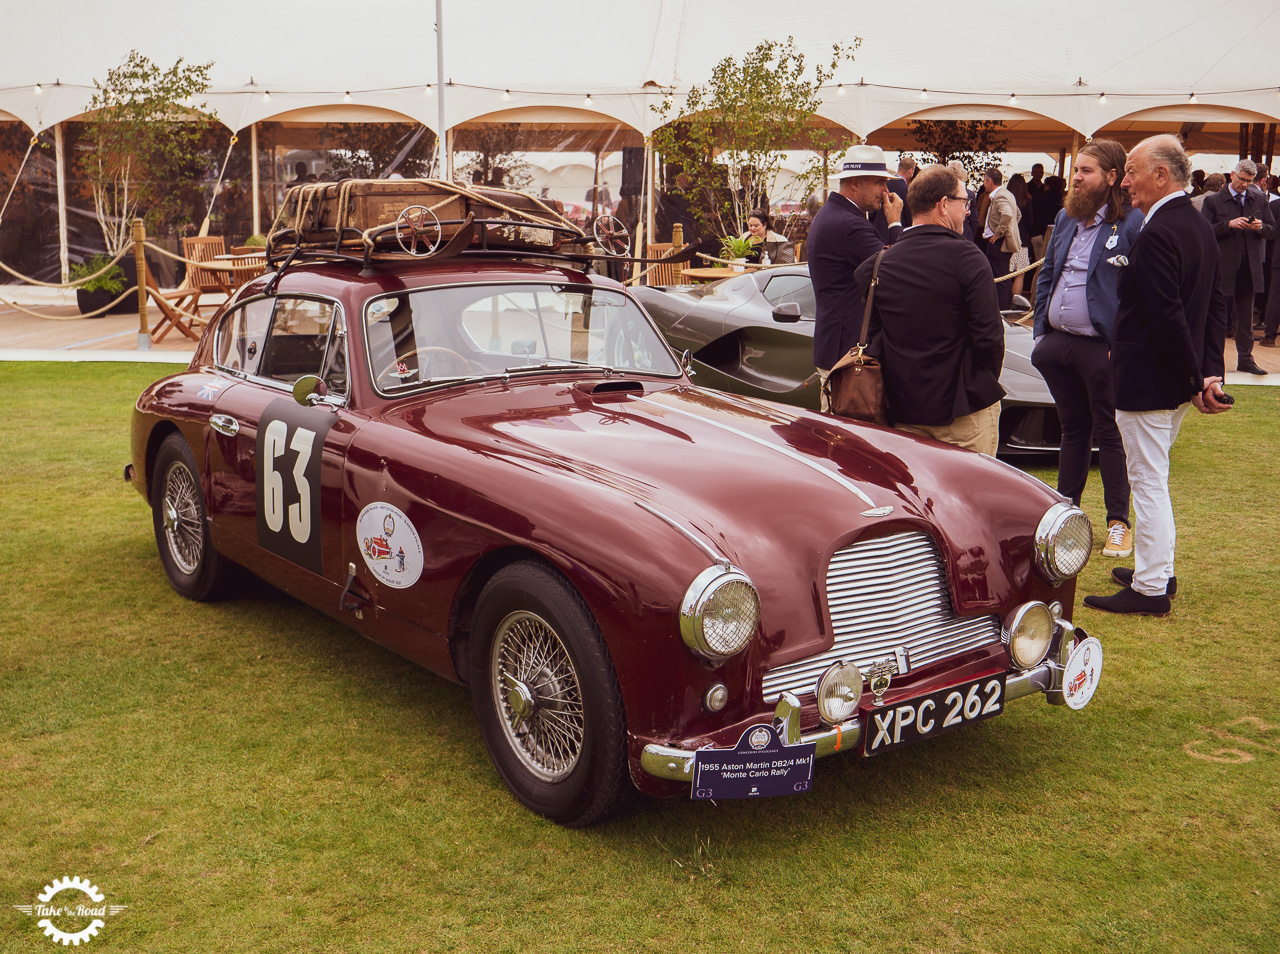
[(588, 102), (39, 89), (426, 90), (506, 95), (266, 96), (924, 94), (840, 89), (1191, 98), (1102, 100), (347, 97), (1013, 99)]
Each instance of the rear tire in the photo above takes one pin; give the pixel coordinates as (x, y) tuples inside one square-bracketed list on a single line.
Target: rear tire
[(181, 522), (547, 698)]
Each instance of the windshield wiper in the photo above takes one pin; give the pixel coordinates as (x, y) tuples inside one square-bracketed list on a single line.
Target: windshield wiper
[(557, 366)]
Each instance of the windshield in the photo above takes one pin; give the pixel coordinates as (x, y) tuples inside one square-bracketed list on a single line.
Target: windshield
[(441, 334)]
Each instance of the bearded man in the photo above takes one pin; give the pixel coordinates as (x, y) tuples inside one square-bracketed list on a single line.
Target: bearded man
[(1076, 302)]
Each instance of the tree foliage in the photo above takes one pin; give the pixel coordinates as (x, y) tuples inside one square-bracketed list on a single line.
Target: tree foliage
[(373, 150), (725, 142), (495, 158), (144, 136), (977, 143)]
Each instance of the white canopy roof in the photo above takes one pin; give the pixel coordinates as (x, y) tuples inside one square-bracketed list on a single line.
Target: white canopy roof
[(970, 55)]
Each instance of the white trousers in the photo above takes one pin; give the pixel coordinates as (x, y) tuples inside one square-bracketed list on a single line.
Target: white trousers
[(1148, 437)]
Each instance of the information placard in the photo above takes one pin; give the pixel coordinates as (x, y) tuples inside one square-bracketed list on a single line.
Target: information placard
[(760, 765)]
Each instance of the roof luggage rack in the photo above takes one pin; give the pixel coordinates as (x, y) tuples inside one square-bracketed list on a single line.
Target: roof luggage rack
[(368, 222)]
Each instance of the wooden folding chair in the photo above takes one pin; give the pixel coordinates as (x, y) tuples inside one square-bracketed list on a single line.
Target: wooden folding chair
[(663, 274), (169, 303), (210, 281)]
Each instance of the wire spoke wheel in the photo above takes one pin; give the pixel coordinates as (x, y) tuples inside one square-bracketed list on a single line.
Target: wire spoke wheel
[(183, 522), (540, 697)]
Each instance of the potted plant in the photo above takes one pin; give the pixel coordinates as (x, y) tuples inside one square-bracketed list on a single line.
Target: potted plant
[(736, 248), (144, 133), (100, 291)]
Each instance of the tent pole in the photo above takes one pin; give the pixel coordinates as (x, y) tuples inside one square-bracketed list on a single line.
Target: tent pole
[(649, 169), (60, 162), (253, 165), (446, 153)]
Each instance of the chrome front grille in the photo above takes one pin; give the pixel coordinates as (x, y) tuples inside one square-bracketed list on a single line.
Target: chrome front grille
[(884, 594)]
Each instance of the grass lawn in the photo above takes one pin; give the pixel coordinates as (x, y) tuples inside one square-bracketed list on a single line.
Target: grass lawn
[(251, 776)]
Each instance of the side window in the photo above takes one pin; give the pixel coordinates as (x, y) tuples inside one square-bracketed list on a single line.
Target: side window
[(241, 336), (299, 339), (798, 288)]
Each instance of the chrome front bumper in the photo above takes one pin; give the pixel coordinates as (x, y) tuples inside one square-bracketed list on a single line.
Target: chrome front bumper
[(676, 764)]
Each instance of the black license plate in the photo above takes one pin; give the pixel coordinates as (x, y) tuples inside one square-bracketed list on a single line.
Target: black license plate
[(901, 723)]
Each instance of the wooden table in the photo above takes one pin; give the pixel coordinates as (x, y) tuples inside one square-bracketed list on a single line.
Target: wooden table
[(708, 274)]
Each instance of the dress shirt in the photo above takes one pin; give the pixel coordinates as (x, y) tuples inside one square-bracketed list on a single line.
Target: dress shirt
[(1152, 211), (1069, 306)]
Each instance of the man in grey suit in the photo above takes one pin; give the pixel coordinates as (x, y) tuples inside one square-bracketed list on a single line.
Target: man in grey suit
[(1000, 232), (1242, 222)]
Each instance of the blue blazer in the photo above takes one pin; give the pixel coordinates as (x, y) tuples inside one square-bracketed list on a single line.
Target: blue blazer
[(1100, 285), (840, 239)]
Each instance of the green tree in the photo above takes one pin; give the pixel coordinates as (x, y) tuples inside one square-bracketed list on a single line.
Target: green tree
[(977, 143), (493, 157), (724, 145), (368, 150), (145, 131)]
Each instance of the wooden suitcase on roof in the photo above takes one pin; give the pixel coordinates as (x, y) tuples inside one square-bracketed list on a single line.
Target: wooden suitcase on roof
[(323, 212)]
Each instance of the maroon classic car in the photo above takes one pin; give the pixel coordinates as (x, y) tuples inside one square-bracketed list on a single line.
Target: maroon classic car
[(496, 466)]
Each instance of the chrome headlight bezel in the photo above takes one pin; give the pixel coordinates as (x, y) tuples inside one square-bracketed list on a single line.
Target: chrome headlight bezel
[(1029, 632), (693, 608), (1058, 543)]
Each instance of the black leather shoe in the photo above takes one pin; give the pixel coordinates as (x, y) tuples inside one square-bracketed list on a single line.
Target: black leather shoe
[(1124, 576), (1267, 342), (1130, 602), (1250, 367)]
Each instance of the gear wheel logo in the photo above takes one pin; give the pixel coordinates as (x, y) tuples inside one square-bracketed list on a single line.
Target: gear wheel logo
[(59, 900)]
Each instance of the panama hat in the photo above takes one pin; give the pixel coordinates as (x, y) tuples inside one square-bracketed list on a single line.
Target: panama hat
[(863, 161)]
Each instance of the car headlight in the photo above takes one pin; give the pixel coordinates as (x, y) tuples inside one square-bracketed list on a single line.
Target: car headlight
[(1064, 541), (838, 693), (719, 613), (1029, 631)]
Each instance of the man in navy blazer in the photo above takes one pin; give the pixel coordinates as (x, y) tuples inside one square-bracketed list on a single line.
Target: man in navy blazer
[(840, 239), (1243, 224), (1166, 354), (1075, 313)]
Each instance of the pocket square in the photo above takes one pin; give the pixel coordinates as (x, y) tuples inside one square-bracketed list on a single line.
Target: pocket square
[(1118, 260)]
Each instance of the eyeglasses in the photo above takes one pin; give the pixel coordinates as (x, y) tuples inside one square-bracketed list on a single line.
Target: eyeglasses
[(958, 198)]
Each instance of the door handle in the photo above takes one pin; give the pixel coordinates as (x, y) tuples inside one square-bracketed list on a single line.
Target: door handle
[(225, 424)]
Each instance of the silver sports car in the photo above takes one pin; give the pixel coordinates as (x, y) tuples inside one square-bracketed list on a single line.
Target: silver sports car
[(752, 334)]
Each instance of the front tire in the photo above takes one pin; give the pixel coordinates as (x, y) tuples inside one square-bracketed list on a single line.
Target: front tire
[(181, 522), (547, 698)]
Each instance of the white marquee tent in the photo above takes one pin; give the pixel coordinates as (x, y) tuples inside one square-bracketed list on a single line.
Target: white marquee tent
[(1057, 73)]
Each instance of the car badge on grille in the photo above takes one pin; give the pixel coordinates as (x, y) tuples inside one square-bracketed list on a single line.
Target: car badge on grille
[(878, 512), (879, 676)]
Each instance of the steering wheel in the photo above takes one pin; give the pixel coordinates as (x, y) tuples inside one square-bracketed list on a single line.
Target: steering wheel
[(433, 354), (415, 223), (612, 235)]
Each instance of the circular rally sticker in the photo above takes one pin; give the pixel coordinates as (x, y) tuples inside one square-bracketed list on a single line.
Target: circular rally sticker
[(389, 544), (1082, 672)]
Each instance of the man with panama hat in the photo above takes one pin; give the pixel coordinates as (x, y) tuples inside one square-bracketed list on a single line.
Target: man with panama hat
[(840, 239)]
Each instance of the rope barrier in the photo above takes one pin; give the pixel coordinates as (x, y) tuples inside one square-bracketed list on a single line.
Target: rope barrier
[(75, 284), (76, 317), (1021, 271), (211, 266)]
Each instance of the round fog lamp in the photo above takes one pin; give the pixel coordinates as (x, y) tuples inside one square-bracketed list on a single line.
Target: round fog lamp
[(716, 697), (838, 692), (1030, 631)]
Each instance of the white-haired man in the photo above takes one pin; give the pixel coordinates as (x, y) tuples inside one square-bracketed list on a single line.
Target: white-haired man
[(1166, 354), (1242, 224)]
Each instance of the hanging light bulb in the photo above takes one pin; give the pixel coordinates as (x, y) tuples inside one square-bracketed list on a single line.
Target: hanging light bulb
[(924, 94), (1013, 99), (506, 95), (347, 98), (38, 90), (266, 96), (840, 89), (588, 102), (1191, 98), (426, 90), (1102, 100)]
